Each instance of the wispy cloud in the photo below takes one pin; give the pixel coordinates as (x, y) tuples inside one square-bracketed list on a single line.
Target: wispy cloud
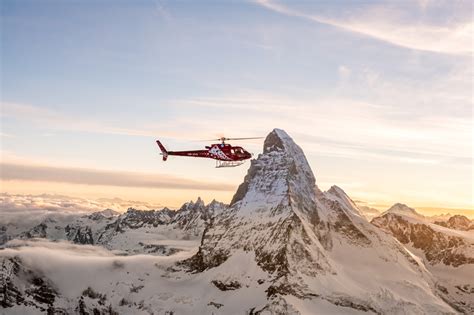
[(86, 176), (387, 25), (54, 120), (376, 130)]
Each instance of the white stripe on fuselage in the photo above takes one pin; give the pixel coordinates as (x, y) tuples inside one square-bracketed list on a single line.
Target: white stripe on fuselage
[(215, 150)]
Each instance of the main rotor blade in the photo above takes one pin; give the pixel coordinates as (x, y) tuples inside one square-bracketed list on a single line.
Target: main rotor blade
[(207, 140), (250, 138), (232, 139)]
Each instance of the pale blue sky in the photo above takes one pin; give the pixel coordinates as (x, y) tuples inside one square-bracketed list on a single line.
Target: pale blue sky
[(378, 94)]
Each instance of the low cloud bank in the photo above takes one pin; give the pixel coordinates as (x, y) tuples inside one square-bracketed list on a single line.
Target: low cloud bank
[(73, 268), (32, 209)]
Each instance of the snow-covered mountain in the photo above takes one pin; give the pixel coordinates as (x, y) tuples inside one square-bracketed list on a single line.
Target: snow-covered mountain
[(163, 232), (283, 246), (78, 228), (447, 251), (160, 232), (441, 217), (404, 210), (457, 222), (315, 247)]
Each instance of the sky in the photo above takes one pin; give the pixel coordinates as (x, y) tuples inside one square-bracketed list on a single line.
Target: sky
[(379, 94)]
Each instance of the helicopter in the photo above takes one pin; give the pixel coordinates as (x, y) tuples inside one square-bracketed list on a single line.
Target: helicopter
[(226, 155)]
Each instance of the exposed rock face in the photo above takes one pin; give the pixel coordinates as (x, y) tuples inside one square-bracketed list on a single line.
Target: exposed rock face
[(80, 229), (9, 294), (22, 286), (135, 219), (19, 285), (79, 234), (457, 222), (4, 237), (447, 253), (38, 231), (194, 216), (437, 246)]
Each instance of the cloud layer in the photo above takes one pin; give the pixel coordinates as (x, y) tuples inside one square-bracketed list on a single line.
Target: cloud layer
[(85, 176), (58, 203), (65, 264), (29, 210)]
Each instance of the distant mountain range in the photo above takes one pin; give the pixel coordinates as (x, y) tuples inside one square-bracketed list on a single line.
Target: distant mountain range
[(282, 246)]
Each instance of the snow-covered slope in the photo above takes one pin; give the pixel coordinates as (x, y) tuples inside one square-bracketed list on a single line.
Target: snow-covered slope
[(404, 210), (163, 232), (447, 253)]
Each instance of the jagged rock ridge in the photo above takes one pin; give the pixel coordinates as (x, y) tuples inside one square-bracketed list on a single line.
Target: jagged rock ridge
[(447, 252), (437, 245), (111, 229), (457, 222)]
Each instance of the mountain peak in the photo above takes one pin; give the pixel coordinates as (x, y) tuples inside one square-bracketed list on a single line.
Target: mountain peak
[(275, 141), (280, 170), (403, 209), (104, 214), (276, 198), (199, 202), (337, 190), (109, 213), (341, 196)]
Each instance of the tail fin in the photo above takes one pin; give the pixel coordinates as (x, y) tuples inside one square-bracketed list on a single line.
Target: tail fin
[(163, 150)]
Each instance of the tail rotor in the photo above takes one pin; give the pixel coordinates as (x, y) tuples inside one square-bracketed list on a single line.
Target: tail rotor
[(164, 152)]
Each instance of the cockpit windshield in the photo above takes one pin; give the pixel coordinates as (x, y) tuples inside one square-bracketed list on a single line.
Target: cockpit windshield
[(238, 151)]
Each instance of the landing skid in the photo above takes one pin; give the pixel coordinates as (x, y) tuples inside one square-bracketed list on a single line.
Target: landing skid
[(220, 164)]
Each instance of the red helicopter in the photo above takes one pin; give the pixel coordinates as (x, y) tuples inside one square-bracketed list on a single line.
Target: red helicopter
[(225, 154)]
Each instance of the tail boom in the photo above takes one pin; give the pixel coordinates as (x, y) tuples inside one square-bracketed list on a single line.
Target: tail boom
[(166, 153)]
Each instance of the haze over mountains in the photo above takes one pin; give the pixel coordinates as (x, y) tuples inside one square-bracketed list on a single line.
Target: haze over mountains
[(282, 246)]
